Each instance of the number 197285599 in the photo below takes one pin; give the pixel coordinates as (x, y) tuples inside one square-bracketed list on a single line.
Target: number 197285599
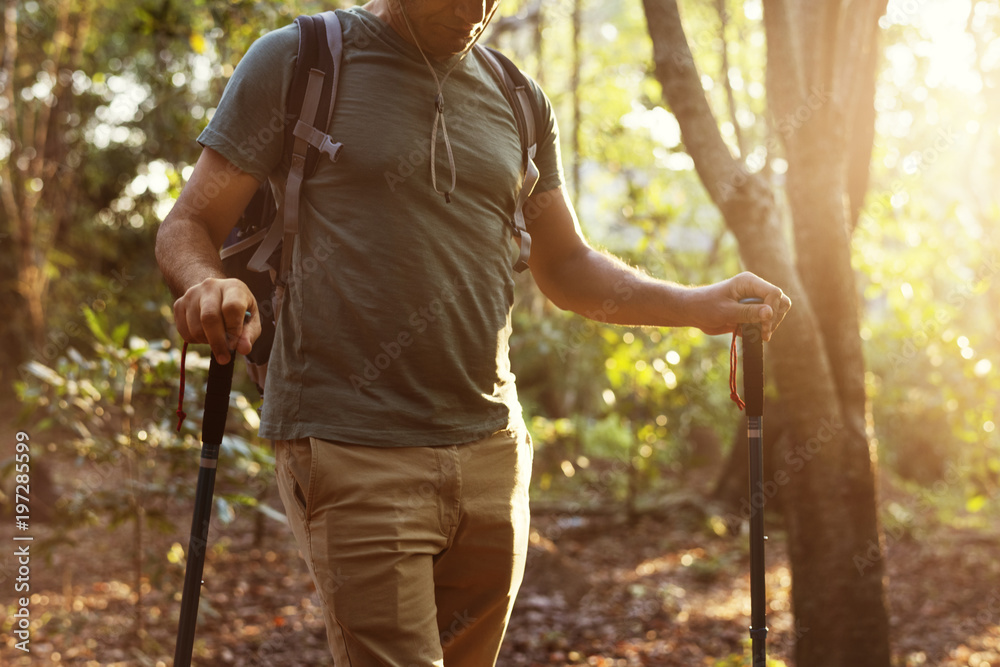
[(22, 480)]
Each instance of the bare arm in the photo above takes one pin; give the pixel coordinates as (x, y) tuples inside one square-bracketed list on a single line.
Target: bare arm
[(594, 284), (210, 307)]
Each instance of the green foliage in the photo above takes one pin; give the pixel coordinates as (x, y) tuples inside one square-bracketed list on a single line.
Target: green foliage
[(631, 397), (105, 422), (926, 251)]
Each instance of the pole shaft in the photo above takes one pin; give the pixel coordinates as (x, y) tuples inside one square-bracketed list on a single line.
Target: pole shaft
[(220, 381), (197, 546), (758, 597), (753, 388)]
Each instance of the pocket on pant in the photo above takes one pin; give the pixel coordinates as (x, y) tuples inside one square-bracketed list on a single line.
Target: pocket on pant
[(293, 465)]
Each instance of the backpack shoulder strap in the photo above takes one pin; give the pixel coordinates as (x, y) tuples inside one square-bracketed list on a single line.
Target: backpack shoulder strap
[(519, 90), (527, 115), (312, 96), (320, 49)]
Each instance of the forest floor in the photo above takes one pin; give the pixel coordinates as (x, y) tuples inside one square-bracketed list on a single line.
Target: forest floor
[(598, 591)]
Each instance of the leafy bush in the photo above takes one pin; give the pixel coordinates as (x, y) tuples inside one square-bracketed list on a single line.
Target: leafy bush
[(108, 421)]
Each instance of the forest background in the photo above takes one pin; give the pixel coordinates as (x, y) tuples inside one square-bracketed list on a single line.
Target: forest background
[(634, 428)]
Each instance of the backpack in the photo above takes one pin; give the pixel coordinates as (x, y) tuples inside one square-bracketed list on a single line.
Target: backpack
[(258, 251)]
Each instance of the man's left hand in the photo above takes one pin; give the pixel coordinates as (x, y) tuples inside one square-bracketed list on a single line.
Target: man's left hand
[(717, 308)]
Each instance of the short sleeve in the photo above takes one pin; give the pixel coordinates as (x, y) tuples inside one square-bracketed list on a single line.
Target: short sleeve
[(248, 126), (548, 157)]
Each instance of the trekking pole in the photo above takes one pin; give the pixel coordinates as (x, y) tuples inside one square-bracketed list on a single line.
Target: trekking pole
[(753, 389), (220, 382)]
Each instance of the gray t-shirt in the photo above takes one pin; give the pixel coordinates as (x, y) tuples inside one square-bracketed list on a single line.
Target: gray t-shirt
[(394, 330)]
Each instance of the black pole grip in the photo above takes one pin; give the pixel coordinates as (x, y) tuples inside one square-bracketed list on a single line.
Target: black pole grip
[(220, 383), (753, 370), (753, 365)]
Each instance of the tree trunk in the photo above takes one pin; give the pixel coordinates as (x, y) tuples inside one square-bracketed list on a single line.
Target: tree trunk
[(577, 18), (37, 162), (731, 490), (814, 72)]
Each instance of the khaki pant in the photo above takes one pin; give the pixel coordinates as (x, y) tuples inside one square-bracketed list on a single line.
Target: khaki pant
[(416, 552)]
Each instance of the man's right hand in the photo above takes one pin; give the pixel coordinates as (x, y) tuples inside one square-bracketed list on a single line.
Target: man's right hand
[(212, 308), (215, 312)]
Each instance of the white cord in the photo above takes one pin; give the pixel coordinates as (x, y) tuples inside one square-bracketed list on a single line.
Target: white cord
[(439, 103)]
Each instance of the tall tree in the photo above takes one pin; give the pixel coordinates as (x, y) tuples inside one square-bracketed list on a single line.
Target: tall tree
[(39, 161), (820, 89)]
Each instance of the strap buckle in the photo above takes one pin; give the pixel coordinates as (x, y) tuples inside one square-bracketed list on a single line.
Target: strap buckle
[(330, 149), (319, 140)]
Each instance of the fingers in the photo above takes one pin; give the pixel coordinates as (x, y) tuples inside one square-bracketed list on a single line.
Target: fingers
[(756, 313), (768, 314), (780, 305), (251, 331), (728, 312), (215, 312)]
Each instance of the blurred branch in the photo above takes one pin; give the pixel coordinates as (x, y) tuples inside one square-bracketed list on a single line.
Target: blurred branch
[(861, 132), (785, 79), (51, 66), (501, 25), (720, 7), (9, 118), (682, 88), (506, 24)]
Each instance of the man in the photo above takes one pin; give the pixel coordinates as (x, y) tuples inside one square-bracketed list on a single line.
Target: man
[(401, 454)]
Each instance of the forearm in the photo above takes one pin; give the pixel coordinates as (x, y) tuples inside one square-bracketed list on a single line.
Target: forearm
[(186, 253), (602, 287), (576, 277), (210, 308), (188, 241)]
